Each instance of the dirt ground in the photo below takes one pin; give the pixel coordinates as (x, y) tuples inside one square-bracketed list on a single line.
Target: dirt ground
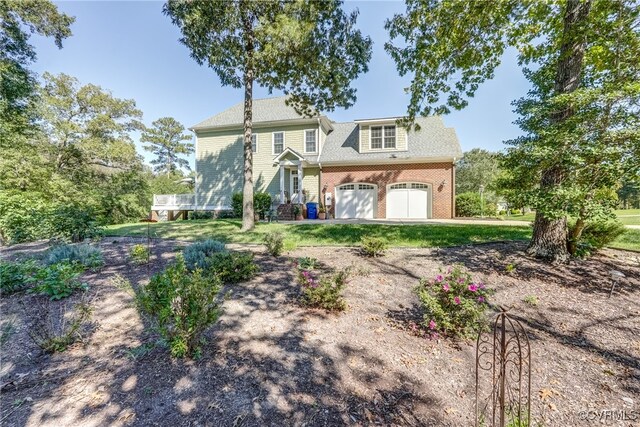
[(271, 362)]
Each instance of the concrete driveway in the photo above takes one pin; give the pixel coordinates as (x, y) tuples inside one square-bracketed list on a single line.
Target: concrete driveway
[(411, 221), (474, 221)]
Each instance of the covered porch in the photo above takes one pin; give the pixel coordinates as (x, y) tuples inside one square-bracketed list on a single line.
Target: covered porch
[(299, 178), (299, 182)]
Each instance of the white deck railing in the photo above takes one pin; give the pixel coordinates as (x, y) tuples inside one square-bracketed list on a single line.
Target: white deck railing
[(173, 201)]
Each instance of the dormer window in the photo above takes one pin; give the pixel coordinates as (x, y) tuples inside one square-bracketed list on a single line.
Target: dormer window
[(383, 137), (389, 137)]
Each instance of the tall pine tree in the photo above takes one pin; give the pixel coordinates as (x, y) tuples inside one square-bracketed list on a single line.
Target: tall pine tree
[(311, 50), (168, 141)]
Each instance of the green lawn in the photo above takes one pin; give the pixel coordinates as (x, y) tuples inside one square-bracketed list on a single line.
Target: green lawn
[(417, 235), (414, 235), (629, 216), (629, 240), (625, 216)]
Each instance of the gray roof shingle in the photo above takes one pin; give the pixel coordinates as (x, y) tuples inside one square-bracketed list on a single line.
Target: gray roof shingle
[(433, 140), (264, 110)]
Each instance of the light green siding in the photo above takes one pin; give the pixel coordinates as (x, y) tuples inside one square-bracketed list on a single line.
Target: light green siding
[(219, 160), (401, 140), (311, 183)]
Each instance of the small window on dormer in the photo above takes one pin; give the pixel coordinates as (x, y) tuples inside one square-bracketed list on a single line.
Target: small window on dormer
[(383, 137), (376, 137), (389, 137)]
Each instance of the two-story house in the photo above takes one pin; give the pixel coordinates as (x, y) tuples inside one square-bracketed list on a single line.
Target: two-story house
[(369, 168)]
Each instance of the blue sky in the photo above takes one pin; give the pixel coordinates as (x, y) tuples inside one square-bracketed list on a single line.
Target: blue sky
[(132, 49)]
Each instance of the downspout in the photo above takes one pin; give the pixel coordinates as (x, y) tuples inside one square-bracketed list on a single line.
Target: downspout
[(319, 133), (453, 188), (195, 178), (320, 195)]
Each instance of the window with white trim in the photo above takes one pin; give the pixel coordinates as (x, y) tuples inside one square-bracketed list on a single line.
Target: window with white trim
[(278, 142), (383, 137), (418, 185), (376, 137), (310, 141), (348, 187), (366, 187), (295, 182), (254, 142), (389, 137), (398, 186)]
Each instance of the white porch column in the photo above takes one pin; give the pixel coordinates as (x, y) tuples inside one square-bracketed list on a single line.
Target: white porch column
[(282, 200), (300, 182)]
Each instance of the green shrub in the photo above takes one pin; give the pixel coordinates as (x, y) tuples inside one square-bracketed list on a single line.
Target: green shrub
[(196, 254), (29, 216), (22, 216), (58, 281), (236, 204), (16, 276), (57, 327), (233, 267), (83, 254), (261, 204), (225, 214), (184, 304), (532, 300), (201, 215), (139, 254), (307, 263), (599, 234), (323, 292), (274, 241), (373, 246), (74, 223), (454, 305), (468, 205)]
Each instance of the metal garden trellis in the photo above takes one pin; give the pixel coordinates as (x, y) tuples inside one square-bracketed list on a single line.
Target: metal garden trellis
[(148, 221), (503, 395)]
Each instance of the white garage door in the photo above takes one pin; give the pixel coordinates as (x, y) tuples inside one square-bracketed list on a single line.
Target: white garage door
[(408, 200), (356, 200)]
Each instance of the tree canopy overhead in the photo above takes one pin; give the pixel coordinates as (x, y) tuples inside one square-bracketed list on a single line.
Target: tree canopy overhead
[(308, 49), (18, 21), (580, 120)]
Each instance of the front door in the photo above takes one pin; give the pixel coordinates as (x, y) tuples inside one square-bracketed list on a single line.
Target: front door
[(294, 186)]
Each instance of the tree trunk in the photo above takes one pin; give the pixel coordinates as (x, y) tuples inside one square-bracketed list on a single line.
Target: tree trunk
[(550, 236), (576, 233), (248, 219)]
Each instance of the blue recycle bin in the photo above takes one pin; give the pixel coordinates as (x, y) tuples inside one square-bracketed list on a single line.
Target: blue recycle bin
[(312, 210)]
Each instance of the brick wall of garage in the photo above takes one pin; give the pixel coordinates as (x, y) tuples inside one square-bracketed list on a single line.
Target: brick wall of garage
[(383, 175)]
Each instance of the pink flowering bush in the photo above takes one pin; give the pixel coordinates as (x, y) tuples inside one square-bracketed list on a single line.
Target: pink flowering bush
[(323, 291), (454, 303)]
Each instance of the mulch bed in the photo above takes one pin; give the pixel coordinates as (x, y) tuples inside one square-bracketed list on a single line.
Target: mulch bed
[(271, 362)]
